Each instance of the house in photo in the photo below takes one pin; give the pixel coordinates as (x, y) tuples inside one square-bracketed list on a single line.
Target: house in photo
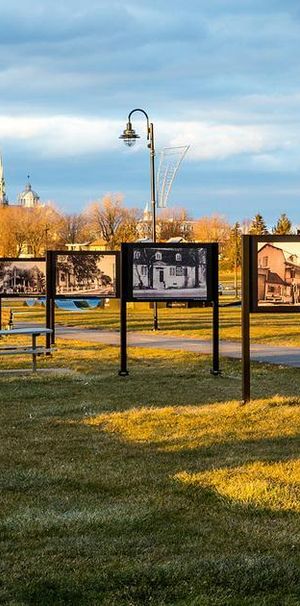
[(168, 269), (85, 274), (18, 278), (278, 275)]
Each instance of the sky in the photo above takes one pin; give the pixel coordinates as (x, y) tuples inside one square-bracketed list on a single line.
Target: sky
[(221, 76)]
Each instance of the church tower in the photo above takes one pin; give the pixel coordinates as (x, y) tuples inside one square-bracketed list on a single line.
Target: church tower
[(3, 197)]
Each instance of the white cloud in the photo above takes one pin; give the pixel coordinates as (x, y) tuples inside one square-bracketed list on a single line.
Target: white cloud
[(77, 136)]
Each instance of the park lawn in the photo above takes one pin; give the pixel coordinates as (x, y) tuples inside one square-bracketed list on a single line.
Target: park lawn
[(154, 489), (273, 329)]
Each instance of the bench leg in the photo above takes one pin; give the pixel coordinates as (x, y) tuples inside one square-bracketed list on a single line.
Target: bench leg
[(34, 354)]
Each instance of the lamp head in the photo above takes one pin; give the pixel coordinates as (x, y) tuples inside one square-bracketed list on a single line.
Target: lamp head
[(129, 135)]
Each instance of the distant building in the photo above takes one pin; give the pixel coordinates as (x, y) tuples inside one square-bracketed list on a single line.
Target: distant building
[(26, 199), (95, 245)]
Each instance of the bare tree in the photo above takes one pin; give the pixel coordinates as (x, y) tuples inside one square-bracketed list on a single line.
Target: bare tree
[(112, 222), (174, 223), (73, 228)]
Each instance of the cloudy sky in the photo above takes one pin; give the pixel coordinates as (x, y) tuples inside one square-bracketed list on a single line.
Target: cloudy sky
[(219, 75)]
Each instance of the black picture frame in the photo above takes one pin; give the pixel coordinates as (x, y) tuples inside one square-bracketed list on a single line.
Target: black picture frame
[(211, 271), (251, 244), (82, 295), (25, 295)]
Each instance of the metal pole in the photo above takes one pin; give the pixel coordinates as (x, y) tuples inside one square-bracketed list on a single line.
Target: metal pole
[(50, 303), (216, 347), (235, 264), (246, 375), (52, 308), (153, 205), (150, 138), (216, 364), (123, 372), (152, 180)]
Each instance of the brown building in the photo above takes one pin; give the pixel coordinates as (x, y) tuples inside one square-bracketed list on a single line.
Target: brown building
[(278, 275)]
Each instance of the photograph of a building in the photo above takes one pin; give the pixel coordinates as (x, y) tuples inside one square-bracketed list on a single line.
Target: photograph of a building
[(278, 269), (86, 274), (22, 277), (169, 272)]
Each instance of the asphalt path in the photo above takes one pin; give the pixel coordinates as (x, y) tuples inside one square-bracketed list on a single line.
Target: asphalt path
[(285, 356)]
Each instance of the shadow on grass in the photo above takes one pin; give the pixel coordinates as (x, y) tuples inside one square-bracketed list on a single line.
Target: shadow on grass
[(127, 533)]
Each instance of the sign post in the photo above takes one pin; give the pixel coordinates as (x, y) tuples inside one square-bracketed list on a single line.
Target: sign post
[(246, 320), (123, 372)]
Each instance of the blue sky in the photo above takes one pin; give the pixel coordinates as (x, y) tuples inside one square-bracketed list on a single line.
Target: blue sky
[(219, 75)]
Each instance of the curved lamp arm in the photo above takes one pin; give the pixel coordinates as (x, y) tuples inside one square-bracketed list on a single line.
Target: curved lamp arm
[(146, 116)]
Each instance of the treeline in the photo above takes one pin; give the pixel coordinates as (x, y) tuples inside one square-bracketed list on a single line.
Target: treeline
[(109, 223)]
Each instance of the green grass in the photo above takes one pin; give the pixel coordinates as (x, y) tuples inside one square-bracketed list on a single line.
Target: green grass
[(274, 329), (155, 489)]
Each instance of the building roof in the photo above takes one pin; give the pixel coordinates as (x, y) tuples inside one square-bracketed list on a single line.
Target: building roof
[(28, 197), (274, 278)]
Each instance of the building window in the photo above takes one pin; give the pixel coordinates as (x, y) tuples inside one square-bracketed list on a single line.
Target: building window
[(172, 271), (178, 257), (136, 254), (144, 270), (179, 271), (265, 261), (62, 277), (158, 256)]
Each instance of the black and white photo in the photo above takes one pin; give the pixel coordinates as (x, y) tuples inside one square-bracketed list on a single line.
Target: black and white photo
[(82, 274), (160, 272), (278, 273), (22, 277)]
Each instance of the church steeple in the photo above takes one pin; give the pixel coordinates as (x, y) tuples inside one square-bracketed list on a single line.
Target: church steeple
[(3, 197)]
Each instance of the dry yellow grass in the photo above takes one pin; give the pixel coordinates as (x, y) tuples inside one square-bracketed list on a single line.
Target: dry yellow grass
[(275, 486), (188, 427)]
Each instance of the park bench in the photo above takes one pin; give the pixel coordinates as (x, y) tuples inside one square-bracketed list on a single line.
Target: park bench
[(34, 349)]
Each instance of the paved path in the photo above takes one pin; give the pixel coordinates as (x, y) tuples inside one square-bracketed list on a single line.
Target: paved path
[(287, 356)]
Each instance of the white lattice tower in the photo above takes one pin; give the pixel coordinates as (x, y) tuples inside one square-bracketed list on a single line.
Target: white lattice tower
[(170, 160)]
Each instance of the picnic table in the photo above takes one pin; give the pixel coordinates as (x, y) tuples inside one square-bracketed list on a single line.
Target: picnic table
[(34, 349)]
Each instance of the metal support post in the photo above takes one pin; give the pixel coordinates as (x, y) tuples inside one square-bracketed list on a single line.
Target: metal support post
[(246, 373), (123, 372), (216, 361)]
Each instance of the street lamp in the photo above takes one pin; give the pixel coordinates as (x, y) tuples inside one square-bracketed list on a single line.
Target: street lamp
[(129, 136)]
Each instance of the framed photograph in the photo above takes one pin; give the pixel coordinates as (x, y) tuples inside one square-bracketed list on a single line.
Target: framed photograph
[(274, 273), (170, 272), (85, 274), (20, 277)]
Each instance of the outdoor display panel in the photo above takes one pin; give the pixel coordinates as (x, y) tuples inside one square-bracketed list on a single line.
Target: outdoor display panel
[(274, 274), (85, 274), (20, 277), (169, 272)]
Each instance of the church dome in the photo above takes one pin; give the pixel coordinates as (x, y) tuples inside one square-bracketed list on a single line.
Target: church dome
[(28, 197)]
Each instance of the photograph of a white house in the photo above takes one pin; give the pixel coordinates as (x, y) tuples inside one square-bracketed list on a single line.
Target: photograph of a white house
[(278, 268), (86, 274), (22, 277), (169, 273)]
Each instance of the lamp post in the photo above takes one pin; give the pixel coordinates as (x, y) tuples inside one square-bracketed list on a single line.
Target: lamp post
[(129, 137)]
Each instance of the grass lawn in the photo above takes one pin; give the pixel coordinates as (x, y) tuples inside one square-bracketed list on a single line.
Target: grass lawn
[(275, 329), (155, 489)]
